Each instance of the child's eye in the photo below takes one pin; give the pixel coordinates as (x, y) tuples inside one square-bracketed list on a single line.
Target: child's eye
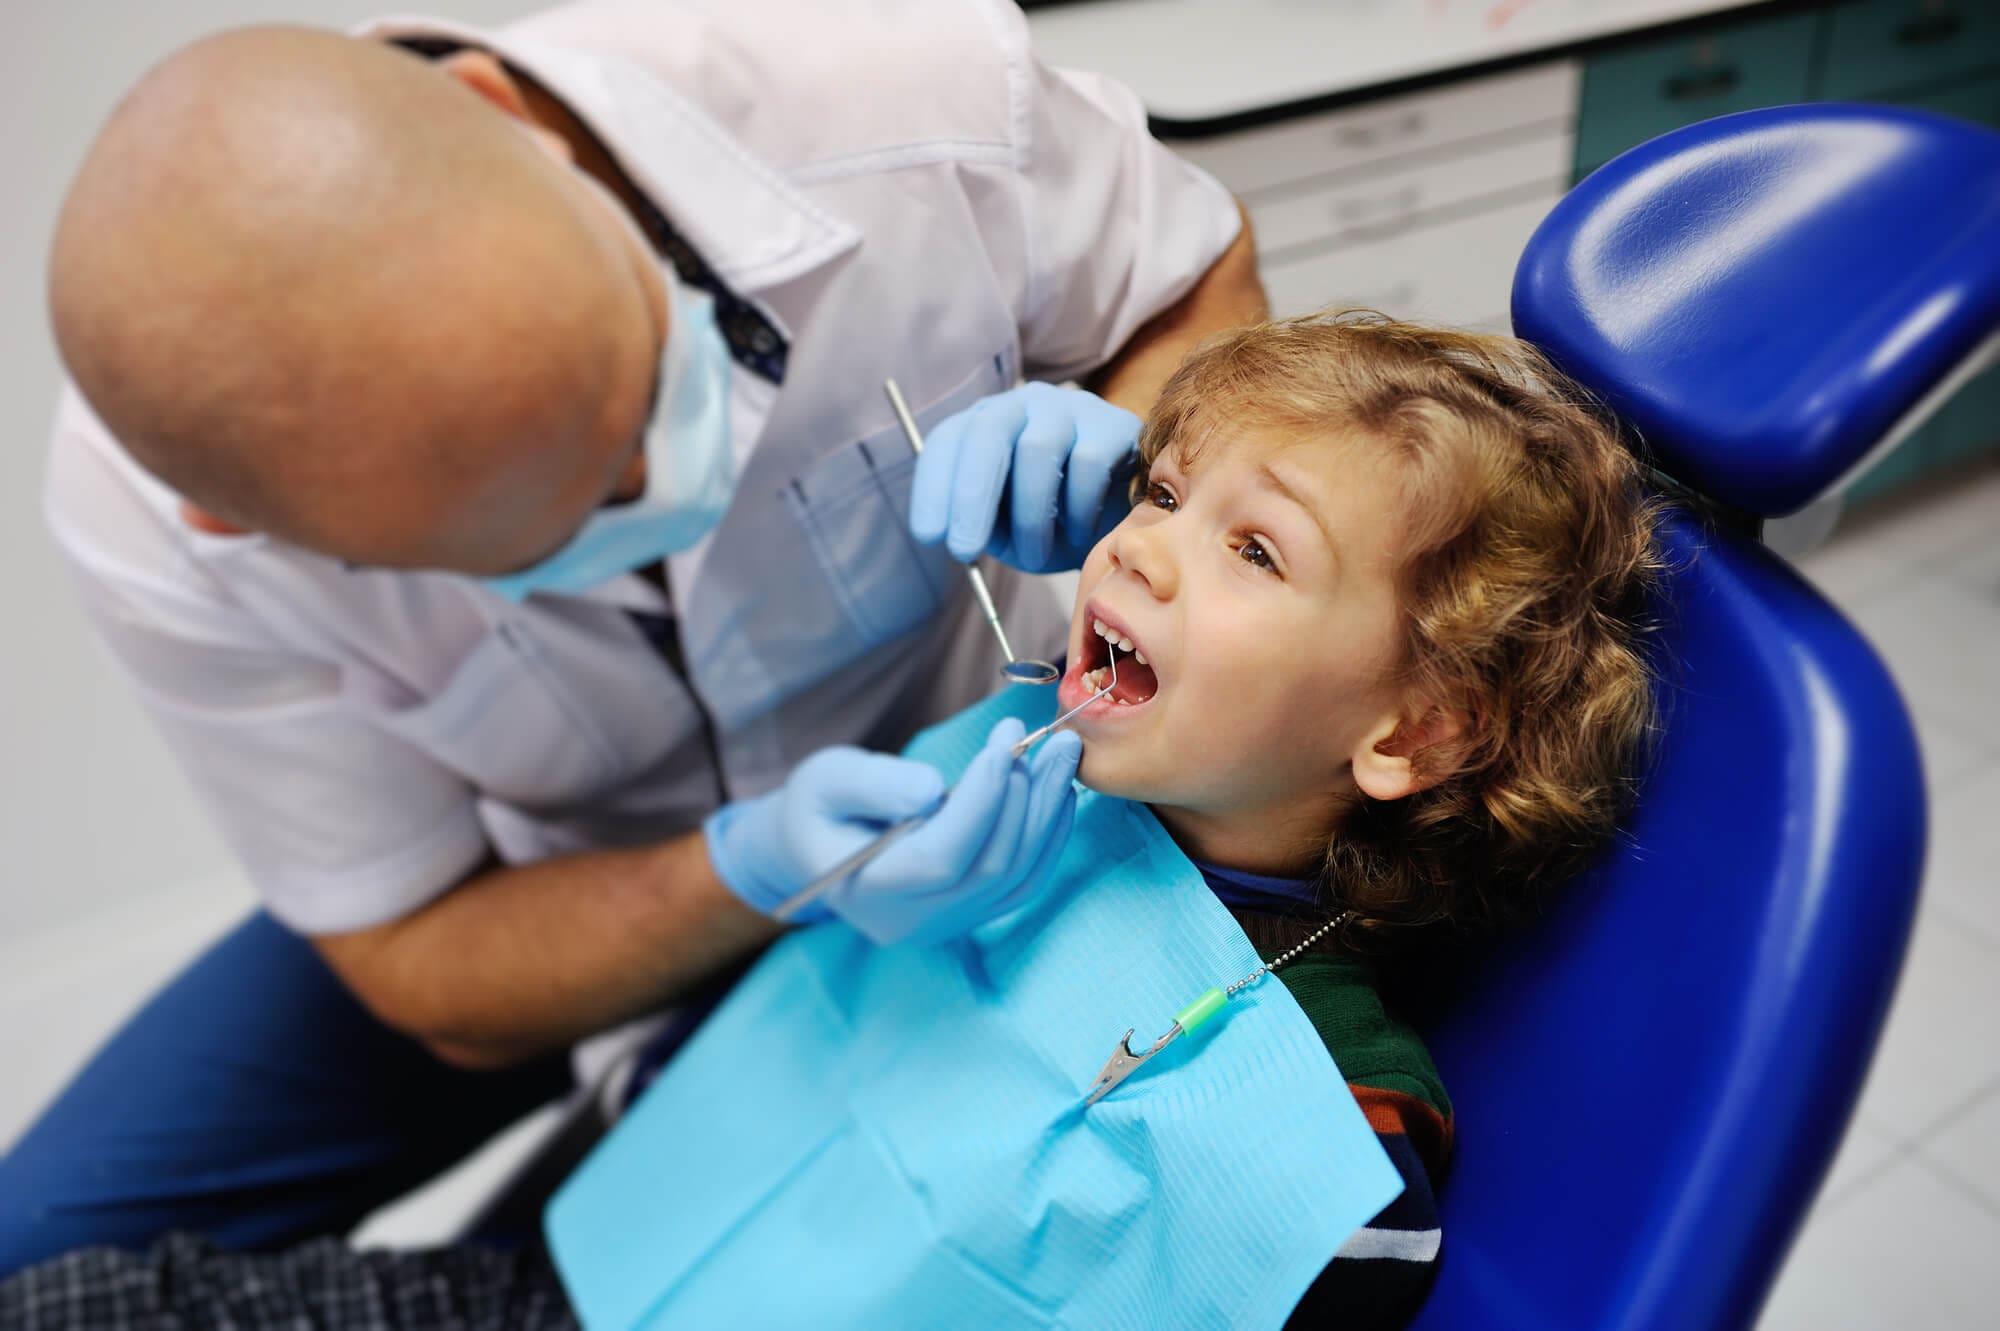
[(1160, 497), (1253, 552)]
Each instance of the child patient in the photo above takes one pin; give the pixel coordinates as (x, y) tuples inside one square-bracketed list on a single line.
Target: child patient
[(1376, 614), (1381, 589)]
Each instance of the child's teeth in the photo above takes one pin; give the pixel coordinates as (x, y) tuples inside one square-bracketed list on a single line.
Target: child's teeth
[(1140, 657), (1102, 632), (1126, 643)]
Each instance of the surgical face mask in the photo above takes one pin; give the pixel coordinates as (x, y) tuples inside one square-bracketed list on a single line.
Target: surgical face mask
[(690, 463)]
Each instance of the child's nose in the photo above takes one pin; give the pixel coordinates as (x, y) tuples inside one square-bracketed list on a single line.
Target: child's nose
[(1146, 553)]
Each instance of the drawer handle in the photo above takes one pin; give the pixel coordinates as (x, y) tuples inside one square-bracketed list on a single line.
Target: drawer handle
[(1370, 134), (1933, 26), (1701, 83)]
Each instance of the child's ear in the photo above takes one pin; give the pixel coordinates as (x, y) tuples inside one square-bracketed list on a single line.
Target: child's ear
[(1385, 766)]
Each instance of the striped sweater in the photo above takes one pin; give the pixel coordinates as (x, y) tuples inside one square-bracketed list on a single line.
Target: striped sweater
[(1381, 1275)]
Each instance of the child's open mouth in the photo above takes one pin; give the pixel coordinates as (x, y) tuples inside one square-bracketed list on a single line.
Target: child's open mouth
[(1136, 681)]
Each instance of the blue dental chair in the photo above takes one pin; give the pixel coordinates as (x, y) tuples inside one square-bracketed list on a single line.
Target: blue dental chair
[(1652, 1084)]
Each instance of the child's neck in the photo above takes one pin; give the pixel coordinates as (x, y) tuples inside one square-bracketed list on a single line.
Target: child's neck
[(1287, 845)]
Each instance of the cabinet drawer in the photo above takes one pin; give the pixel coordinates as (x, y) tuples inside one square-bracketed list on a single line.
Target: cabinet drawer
[(1880, 46), (1375, 204), (1641, 92), (1459, 273), (1977, 100), (1256, 159)]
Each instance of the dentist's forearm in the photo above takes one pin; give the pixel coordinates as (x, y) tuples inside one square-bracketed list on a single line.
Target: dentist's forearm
[(1228, 295), (520, 961)]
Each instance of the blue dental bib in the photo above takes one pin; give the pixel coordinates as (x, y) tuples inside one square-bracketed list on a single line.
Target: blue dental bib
[(865, 1137)]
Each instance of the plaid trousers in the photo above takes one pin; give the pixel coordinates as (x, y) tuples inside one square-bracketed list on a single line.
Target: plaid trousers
[(183, 1283)]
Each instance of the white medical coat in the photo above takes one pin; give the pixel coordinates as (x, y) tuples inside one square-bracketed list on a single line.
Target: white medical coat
[(907, 192)]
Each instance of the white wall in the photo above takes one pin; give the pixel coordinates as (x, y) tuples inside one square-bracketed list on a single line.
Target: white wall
[(111, 874)]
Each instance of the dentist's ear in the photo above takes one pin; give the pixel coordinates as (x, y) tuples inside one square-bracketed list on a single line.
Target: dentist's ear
[(486, 76), (1386, 763), (202, 520)]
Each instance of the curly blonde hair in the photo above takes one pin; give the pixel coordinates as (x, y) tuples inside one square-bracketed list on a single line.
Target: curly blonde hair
[(1524, 593)]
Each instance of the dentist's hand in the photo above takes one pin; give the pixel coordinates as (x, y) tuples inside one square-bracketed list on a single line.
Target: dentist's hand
[(1059, 456), (991, 848)]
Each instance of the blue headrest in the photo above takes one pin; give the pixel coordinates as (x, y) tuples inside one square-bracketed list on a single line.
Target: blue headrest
[(1765, 295)]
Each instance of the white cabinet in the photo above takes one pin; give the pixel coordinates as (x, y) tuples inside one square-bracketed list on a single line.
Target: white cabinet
[(1387, 129), (1361, 209), (1417, 205), (1457, 273)]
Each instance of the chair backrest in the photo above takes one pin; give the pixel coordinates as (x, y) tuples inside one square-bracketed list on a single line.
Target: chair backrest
[(1651, 1084)]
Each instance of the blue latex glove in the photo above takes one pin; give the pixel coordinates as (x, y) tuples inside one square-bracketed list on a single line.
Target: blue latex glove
[(1060, 458), (990, 849)]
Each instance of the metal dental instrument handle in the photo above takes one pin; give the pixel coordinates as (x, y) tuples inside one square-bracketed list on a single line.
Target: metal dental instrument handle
[(840, 872), (895, 832), (1017, 671)]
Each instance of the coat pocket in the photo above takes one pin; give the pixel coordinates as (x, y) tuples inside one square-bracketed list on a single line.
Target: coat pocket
[(854, 507)]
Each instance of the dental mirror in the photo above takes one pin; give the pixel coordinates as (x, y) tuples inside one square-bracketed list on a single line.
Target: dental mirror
[(1018, 670), (1021, 671)]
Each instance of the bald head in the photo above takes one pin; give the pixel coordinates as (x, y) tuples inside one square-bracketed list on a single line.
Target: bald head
[(326, 290)]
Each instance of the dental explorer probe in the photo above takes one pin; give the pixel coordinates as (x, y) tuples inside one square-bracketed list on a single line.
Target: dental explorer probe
[(1017, 670), (895, 832)]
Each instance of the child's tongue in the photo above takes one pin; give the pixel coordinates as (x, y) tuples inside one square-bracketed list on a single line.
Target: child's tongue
[(1136, 683)]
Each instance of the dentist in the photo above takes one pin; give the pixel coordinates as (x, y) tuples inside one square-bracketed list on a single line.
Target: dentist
[(475, 457)]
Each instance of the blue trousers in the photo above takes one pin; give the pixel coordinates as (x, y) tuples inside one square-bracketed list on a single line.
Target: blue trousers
[(252, 1100)]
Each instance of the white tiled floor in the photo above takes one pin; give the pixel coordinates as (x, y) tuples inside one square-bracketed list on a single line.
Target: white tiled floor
[(1906, 1231)]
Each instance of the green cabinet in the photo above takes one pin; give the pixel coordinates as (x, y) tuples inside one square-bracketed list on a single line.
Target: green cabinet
[(1635, 93), (1941, 55), (1977, 99), (1879, 48), (1968, 425), (1964, 427)]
